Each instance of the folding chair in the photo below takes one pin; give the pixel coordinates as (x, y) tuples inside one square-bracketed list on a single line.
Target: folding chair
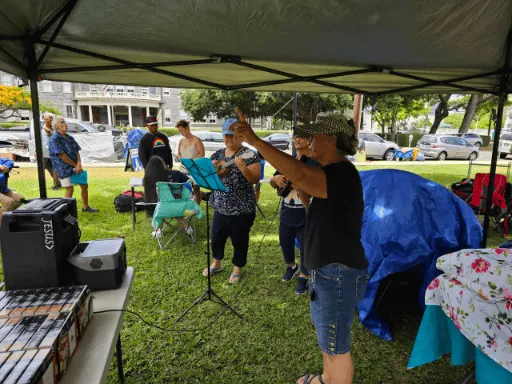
[(500, 209), (174, 203)]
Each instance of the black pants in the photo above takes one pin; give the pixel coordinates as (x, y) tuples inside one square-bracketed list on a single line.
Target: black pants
[(287, 235), (235, 227)]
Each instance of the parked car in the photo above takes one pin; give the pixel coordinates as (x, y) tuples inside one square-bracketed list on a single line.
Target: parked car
[(79, 127), (505, 144), (105, 127), (442, 147), (12, 141), (278, 140), (473, 138), (21, 132), (212, 141), (377, 147)]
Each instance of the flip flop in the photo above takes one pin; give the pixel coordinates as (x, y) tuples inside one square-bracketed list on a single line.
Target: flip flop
[(308, 378), (234, 278), (213, 271)]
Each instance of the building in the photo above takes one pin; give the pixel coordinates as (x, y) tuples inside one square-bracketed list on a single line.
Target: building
[(114, 105)]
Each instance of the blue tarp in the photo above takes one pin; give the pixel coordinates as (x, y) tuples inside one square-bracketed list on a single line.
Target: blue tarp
[(409, 221), (133, 140)]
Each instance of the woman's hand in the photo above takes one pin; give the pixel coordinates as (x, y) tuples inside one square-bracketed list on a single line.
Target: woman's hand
[(78, 169), (4, 169), (280, 181), (241, 164)]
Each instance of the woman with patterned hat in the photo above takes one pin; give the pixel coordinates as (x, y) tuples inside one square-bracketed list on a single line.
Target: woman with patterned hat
[(333, 250), (235, 210)]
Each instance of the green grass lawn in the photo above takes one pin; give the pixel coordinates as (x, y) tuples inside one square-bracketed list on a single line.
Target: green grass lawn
[(277, 342)]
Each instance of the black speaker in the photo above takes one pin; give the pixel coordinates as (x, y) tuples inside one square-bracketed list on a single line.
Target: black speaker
[(36, 241)]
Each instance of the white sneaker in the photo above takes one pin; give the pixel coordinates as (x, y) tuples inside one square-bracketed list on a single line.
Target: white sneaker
[(157, 233), (190, 230)]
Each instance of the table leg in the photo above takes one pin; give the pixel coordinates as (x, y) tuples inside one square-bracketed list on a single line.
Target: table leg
[(468, 378), (134, 218), (119, 355)]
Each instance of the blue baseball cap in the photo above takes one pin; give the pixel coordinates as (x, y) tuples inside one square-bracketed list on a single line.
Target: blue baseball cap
[(228, 123)]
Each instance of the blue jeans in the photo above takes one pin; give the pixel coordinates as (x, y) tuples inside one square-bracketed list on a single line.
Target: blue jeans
[(336, 291)]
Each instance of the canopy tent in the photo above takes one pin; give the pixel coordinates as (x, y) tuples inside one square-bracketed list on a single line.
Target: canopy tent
[(371, 47)]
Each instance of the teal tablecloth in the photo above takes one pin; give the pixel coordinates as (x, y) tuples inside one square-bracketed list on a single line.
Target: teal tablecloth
[(438, 336)]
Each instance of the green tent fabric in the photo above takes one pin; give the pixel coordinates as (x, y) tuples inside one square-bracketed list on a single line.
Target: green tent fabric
[(271, 45)]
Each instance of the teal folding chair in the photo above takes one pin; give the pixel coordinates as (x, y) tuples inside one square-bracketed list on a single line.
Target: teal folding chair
[(175, 203)]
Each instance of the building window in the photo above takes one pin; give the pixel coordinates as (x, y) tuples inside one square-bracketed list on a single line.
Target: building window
[(130, 89), (145, 90), (25, 118), (167, 115), (66, 88), (93, 88), (120, 88), (167, 91), (212, 121), (70, 111), (46, 86)]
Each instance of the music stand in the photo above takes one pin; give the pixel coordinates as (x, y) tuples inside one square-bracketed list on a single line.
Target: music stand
[(205, 175)]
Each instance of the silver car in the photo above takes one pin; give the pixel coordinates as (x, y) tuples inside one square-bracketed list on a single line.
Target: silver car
[(377, 147), (473, 138), (505, 144), (442, 147)]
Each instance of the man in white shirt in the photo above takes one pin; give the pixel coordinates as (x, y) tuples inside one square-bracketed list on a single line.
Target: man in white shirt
[(46, 132)]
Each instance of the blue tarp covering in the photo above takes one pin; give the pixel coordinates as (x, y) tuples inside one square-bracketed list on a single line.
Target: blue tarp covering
[(409, 221), (133, 140)]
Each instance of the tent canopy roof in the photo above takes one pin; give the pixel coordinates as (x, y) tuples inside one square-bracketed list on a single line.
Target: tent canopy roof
[(366, 46)]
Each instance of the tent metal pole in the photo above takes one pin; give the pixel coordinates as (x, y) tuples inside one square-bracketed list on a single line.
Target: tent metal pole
[(440, 82), (124, 62), (503, 94), (13, 58), (56, 17), (294, 120), (126, 66), (11, 38), (69, 8), (30, 53)]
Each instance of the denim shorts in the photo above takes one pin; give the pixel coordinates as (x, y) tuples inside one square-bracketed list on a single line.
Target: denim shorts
[(336, 290)]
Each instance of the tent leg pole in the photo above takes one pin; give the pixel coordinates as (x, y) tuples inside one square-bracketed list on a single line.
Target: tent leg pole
[(294, 121), (494, 159), (34, 95)]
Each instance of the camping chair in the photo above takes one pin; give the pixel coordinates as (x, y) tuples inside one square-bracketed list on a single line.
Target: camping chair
[(500, 209), (175, 202)]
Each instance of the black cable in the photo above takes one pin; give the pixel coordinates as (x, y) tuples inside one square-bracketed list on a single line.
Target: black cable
[(221, 312)]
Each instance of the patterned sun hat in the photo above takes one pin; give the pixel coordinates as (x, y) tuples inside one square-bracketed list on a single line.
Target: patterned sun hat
[(326, 125), (227, 123)]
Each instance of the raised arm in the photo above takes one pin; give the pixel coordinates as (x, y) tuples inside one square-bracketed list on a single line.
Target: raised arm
[(311, 180)]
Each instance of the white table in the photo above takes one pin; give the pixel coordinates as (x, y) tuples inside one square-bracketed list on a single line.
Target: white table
[(91, 362), (134, 182)]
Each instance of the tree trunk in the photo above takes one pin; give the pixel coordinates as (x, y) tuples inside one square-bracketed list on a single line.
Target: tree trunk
[(440, 113), (473, 103)]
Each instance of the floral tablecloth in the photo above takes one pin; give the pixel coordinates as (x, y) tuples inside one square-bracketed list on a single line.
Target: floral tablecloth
[(475, 291)]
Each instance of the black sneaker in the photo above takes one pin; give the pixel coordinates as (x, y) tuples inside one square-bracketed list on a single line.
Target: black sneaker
[(290, 272), (302, 285), (56, 187), (90, 209)]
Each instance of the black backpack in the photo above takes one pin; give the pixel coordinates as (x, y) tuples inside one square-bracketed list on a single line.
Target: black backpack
[(123, 202)]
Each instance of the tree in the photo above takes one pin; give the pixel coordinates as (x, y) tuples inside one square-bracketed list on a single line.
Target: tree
[(200, 103), (441, 112), (13, 100), (389, 110)]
